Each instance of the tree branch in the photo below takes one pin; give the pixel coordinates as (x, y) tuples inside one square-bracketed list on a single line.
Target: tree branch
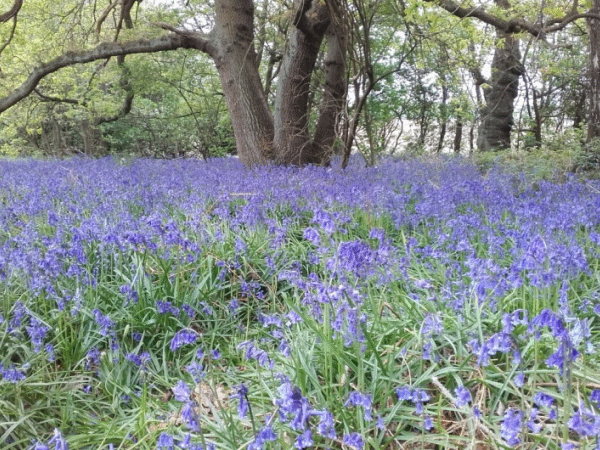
[(12, 12), (47, 98), (102, 51), (515, 25)]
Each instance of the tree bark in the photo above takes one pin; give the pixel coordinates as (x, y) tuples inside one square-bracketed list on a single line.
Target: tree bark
[(261, 136), (500, 94), (594, 92), (458, 135)]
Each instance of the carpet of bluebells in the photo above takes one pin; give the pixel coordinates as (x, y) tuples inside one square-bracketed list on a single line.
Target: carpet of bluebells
[(150, 304)]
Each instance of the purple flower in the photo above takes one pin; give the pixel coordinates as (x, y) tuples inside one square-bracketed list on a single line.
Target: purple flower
[(58, 441), (37, 332), (196, 370), (432, 325), (164, 307), (463, 396), (183, 337), (181, 391), (428, 423), (542, 399), (293, 406), (326, 427), (520, 379), (356, 257), (353, 440), (404, 393), (595, 396), (188, 414), (304, 440), (511, 426), (585, 422), (311, 235), (165, 442), (242, 396), (11, 374), (359, 399), (106, 324)]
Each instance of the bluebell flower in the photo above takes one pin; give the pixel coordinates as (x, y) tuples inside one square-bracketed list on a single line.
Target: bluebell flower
[(196, 370), (531, 423), (542, 399), (106, 324), (356, 257), (183, 337), (595, 397), (181, 391), (37, 332), (188, 414), (293, 406), (312, 235), (432, 325), (215, 354), (59, 442), (519, 379), (512, 426), (326, 427), (165, 442), (11, 374), (463, 396), (242, 395), (164, 307), (427, 423), (360, 399), (304, 440), (585, 422), (353, 440), (50, 351)]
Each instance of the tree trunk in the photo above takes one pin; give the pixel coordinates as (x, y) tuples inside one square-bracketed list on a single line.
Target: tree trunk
[(261, 136), (500, 95), (235, 60), (594, 93), (458, 136)]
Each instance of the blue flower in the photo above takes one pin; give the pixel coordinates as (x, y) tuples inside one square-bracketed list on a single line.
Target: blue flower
[(359, 399), (183, 337), (165, 442), (242, 396), (542, 399), (312, 235), (181, 391), (37, 332), (463, 396), (326, 427), (511, 426), (293, 406), (304, 440), (353, 440), (58, 441)]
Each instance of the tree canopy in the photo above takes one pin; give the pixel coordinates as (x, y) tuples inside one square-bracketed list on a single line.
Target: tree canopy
[(295, 82)]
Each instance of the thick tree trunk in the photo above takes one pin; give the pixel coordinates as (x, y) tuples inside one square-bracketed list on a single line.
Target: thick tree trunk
[(594, 93), (497, 115), (235, 60), (497, 122), (261, 137), (458, 136)]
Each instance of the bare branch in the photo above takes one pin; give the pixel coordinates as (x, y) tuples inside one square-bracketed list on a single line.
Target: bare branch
[(10, 36), (102, 51), (12, 12), (48, 98), (516, 25), (105, 14)]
